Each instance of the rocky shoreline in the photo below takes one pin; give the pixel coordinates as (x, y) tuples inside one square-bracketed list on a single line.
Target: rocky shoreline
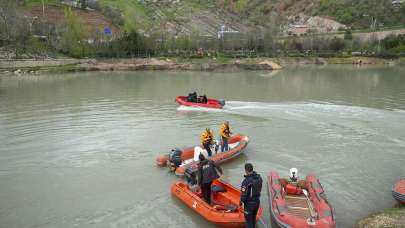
[(35, 66), (393, 217), (74, 65)]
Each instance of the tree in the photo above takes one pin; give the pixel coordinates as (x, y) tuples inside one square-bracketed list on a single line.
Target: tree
[(35, 46), (72, 40), (7, 16), (391, 41), (337, 44)]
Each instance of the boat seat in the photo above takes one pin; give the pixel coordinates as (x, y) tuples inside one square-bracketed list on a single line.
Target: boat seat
[(217, 188)]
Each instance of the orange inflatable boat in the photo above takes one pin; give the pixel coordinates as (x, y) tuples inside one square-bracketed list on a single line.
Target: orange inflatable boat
[(184, 158), (224, 210)]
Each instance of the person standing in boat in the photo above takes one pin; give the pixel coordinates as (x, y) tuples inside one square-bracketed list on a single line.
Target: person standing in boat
[(225, 133), (250, 197), (207, 139), (208, 171)]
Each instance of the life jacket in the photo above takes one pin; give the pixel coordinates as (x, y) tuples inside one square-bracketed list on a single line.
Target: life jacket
[(224, 131), (293, 189)]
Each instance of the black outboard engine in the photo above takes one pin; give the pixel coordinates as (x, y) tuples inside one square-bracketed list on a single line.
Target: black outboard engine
[(191, 175), (221, 102), (175, 158)]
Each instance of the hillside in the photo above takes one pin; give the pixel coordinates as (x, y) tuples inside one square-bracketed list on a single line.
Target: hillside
[(208, 14), (126, 28), (205, 17)]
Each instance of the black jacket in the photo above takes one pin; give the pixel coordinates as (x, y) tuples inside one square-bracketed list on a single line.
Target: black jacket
[(208, 171), (251, 188)]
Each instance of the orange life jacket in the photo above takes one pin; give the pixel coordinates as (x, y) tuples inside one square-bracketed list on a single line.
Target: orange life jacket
[(225, 131)]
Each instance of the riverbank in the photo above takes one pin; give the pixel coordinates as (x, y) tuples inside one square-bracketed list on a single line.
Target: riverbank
[(393, 217), (193, 64), (72, 65)]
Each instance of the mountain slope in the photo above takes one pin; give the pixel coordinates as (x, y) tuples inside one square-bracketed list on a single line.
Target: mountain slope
[(205, 17)]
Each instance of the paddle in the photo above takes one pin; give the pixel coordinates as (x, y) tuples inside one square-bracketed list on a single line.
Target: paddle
[(311, 207)]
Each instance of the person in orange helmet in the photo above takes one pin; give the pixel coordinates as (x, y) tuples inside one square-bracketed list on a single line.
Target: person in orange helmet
[(225, 133), (207, 139)]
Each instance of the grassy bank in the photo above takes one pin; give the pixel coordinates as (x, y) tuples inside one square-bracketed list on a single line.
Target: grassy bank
[(393, 217)]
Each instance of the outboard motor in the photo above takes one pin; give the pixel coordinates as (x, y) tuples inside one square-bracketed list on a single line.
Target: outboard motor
[(221, 102), (191, 175), (175, 158), (293, 174)]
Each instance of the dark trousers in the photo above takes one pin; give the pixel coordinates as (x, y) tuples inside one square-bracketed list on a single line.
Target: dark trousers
[(224, 146), (206, 192), (251, 209), (208, 148)]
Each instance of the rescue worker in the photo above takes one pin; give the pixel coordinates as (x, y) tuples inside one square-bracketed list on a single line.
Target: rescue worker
[(208, 171), (204, 99), (207, 139), (225, 133), (250, 198), (192, 97)]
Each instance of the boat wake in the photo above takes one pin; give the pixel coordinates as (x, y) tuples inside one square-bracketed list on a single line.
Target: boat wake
[(299, 111), (329, 120)]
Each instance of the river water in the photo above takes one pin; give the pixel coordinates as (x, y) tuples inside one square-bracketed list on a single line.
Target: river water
[(78, 150)]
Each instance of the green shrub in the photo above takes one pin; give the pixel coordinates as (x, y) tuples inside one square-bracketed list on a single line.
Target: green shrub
[(73, 40), (35, 46)]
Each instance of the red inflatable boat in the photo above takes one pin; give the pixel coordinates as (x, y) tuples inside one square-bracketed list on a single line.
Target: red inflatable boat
[(224, 211), (398, 191), (237, 144), (295, 209), (211, 103)]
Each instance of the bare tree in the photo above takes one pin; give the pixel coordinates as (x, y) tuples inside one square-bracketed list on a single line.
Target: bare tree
[(7, 15)]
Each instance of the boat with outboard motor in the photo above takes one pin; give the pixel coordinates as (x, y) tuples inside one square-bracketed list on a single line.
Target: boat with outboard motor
[(210, 103), (398, 191), (224, 210), (291, 206), (179, 160)]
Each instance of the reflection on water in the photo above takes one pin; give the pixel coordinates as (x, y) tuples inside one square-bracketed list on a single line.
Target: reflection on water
[(78, 149)]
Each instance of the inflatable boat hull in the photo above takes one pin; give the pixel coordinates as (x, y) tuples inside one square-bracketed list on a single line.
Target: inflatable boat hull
[(213, 213), (398, 191), (211, 103), (220, 157), (292, 211)]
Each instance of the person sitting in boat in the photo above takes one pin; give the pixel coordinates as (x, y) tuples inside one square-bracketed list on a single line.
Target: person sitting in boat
[(225, 133), (293, 186), (192, 97), (204, 99), (207, 139), (208, 171)]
